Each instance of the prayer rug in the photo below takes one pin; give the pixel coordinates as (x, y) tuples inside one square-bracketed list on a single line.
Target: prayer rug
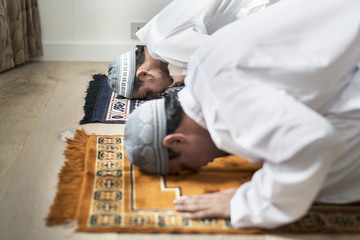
[(103, 192), (104, 105)]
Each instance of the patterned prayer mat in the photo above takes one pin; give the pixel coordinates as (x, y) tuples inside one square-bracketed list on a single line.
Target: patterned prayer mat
[(104, 193), (104, 105)]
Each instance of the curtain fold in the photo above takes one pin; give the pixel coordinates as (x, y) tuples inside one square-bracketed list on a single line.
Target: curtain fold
[(20, 35)]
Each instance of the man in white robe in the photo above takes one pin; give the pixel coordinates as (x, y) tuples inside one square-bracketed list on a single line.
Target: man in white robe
[(286, 96), (173, 35)]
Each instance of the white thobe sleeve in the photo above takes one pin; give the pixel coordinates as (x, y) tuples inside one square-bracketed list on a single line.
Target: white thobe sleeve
[(297, 145), (180, 28), (177, 47), (257, 98)]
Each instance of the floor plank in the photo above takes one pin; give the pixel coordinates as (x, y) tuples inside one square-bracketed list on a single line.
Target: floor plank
[(8, 156)]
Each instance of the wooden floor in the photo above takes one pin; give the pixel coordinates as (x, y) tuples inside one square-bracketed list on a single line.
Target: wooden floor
[(41, 104)]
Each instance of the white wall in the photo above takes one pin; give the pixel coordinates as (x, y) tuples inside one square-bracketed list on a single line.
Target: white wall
[(91, 30)]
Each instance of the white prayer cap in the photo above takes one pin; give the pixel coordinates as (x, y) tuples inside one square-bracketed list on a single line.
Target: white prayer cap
[(144, 132), (121, 74)]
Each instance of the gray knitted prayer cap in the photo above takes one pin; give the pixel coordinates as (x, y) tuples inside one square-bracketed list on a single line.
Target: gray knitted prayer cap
[(144, 132), (121, 74)]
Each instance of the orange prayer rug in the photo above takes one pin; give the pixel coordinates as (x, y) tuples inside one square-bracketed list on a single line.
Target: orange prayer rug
[(103, 192)]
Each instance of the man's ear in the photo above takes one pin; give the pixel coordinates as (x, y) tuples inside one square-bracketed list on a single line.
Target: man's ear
[(141, 73), (175, 140)]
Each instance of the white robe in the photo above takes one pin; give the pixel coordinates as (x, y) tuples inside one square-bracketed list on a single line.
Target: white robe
[(287, 95), (180, 28)]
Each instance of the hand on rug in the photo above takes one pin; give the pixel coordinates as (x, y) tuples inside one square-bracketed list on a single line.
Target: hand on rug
[(210, 205)]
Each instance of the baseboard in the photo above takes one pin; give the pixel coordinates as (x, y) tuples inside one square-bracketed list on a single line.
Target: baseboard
[(83, 51)]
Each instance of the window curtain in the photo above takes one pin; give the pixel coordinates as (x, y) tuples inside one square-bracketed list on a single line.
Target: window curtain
[(20, 35)]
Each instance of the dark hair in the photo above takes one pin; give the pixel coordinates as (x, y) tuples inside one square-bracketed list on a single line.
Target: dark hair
[(140, 59), (173, 111)]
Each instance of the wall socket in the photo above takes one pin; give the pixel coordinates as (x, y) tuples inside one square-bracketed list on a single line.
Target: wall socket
[(134, 27)]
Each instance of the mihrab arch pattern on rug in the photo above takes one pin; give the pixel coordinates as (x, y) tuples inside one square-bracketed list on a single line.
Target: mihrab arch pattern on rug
[(103, 192)]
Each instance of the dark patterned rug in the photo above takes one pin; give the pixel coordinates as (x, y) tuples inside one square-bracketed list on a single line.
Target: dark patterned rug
[(104, 105)]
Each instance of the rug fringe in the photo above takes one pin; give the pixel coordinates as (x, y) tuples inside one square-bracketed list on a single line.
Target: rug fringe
[(70, 181), (92, 98)]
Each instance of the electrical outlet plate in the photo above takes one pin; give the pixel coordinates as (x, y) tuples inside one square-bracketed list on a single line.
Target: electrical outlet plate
[(134, 27)]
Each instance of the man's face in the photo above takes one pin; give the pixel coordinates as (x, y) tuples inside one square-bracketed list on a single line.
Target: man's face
[(155, 83), (198, 152)]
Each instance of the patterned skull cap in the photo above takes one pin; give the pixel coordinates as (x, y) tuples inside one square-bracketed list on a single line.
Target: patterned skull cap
[(144, 132), (121, 74)]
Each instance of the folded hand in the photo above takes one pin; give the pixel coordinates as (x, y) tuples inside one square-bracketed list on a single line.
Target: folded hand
[(177, 80)]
